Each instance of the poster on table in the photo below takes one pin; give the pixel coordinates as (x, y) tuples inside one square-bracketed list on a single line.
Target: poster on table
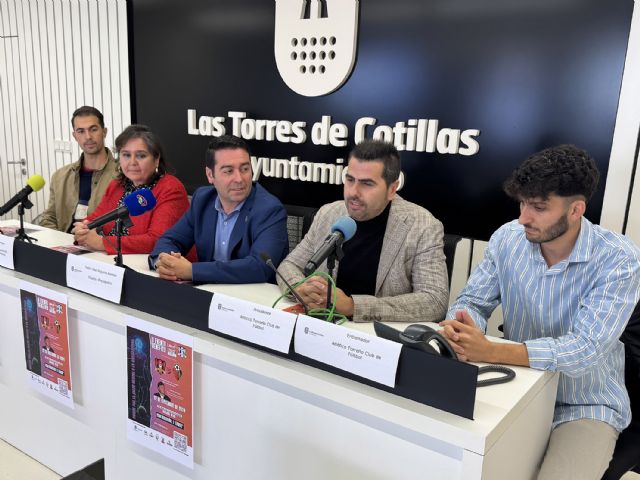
[(160, 390), (46, 342)]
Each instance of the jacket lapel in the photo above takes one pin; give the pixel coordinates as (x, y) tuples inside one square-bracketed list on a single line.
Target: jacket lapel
[(243, 221), (394, 236), (209, 225)]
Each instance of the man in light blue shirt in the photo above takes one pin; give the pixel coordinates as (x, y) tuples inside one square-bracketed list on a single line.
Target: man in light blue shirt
[(224, 227), (567, 289)]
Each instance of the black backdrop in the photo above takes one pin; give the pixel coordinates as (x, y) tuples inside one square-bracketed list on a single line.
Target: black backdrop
[(528, 74)]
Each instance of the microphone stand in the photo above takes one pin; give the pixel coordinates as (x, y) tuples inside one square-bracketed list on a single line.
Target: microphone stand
[(267, 259), (337, 254), (21, 234), (120, 224), (118, 258)]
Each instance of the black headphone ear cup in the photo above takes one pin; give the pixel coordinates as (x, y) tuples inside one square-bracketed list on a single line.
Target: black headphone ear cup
[(446, 350)]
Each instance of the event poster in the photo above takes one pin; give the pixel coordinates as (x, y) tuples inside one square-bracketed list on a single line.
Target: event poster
[(46, 342), (160, 390)]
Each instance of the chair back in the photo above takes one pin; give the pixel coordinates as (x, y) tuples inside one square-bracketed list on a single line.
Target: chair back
[(631, 339), (450, 244), (299, 221), (626, 456)]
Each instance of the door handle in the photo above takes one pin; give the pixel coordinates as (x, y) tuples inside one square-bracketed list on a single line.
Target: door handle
[(22, 162)]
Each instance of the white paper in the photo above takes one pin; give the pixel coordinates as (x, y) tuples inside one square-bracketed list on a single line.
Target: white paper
[(6, 252), (97, 278), (365, 355), (252, 322)]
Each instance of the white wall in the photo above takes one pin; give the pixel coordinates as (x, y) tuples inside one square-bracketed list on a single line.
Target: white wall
[(57, 55), (633, 225), (625, 136)]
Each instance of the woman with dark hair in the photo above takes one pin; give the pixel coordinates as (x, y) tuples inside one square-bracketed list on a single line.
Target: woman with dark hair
[(141, 164)]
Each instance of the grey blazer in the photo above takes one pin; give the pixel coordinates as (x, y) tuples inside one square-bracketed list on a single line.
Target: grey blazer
[(411, 283)]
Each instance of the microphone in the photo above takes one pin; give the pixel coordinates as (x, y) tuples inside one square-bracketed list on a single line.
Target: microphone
[(267, 259), (34, 183), (136, 203), (342, 230)]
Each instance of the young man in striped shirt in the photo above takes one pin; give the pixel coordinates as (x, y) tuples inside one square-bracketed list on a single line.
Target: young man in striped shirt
[(567, 288)]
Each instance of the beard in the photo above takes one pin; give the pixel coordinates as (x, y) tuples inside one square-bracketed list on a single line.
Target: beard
[(554, 231)]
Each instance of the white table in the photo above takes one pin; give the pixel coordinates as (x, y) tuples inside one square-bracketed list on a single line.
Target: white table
[(258, 415)]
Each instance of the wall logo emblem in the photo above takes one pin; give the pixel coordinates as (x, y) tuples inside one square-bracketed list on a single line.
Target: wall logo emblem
[(316, 43)]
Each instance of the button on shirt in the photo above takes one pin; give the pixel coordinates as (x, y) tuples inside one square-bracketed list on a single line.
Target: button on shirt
[(224, 227), (569, 316)]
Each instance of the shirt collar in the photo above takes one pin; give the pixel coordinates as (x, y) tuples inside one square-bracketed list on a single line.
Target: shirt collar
[(78, 165), (218, 207), (581, 250), (584, 244)]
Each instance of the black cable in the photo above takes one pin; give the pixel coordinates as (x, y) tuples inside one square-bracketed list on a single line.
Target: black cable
[(508, 375)]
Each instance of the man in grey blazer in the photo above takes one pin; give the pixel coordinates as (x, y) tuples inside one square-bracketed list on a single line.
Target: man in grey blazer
[(394, 266)]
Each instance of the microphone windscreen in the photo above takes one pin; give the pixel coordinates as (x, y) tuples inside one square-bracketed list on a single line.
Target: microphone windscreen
[(139, 202), (36, 182), (345, 225), (265, 257)]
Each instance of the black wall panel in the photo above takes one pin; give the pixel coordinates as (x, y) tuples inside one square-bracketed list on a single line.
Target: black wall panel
[(528, 74)]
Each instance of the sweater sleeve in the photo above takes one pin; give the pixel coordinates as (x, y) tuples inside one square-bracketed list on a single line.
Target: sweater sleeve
[(171, 203)]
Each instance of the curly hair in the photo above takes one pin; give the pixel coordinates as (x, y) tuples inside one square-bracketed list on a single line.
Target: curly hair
[(564, 170)]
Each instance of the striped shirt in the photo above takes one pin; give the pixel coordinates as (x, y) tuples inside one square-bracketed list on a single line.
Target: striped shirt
[(570, 316)]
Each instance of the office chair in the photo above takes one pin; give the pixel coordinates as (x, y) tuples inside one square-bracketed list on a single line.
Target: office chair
[(626, 456), (450, 244), (299, 220)]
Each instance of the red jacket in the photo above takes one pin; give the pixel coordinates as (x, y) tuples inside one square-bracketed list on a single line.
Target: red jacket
[(171, 203)]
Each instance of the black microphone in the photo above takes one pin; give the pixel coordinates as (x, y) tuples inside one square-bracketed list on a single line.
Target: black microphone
[(342, 230), (136, 203), (267, 259), (34, 183)]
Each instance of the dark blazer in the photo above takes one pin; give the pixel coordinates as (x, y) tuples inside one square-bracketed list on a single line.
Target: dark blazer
[(261, 227)]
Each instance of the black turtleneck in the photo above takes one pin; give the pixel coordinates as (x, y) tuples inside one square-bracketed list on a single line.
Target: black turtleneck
[(358, 269)]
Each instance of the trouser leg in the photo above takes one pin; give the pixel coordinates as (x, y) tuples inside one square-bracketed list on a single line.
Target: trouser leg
[(578, 450)]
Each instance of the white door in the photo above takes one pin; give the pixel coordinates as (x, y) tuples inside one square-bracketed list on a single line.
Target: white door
[(13, 163), (56, 56)]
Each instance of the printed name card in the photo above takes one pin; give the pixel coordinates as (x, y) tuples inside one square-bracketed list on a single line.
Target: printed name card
[(365, 355), (97, 278), (6, 252), (252, 322)]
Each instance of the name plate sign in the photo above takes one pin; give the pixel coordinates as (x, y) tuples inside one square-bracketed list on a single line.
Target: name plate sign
[(252, 322), (6, 252), (97, 278), (365, 355)]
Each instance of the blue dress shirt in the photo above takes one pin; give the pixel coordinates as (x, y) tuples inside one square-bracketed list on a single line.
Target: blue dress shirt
[(224, 227), (569, 316)]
